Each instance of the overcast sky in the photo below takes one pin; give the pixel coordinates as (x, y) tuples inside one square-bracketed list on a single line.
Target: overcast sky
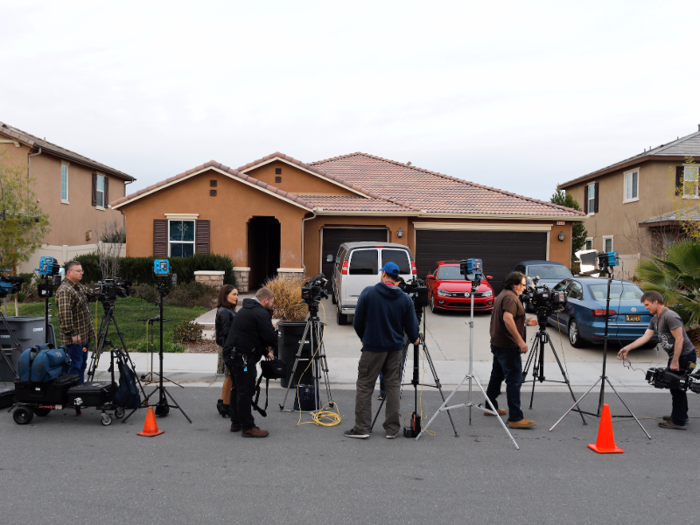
[(515, 95)]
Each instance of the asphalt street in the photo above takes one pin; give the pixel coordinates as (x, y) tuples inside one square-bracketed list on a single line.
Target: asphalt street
[(64, 469)]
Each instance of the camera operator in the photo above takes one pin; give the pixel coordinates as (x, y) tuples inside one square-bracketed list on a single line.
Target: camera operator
[(77, 330), (668, 326), (382, 315), (507, 332), (248, 339)]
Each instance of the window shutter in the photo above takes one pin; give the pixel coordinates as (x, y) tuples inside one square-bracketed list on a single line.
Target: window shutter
[(94, 189), (597, 195), (585, 200), (679, 180), (201, 241), (160, 238), (106, 191)]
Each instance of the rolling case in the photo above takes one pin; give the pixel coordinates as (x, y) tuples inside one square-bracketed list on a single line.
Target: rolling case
[(51, 393), (92, 394), (7, 396)]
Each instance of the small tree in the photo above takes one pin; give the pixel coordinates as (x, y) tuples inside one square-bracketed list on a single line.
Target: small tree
[(578, 231), (23, 225), (111, 237)]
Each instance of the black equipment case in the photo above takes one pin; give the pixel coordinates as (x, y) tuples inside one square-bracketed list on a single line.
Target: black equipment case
[(92, 394), (51, 393), (7, 396)]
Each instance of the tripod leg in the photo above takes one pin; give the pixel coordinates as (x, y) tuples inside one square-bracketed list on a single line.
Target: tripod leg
[(143, 403), (576, 403), (438, 385), (128, 356), (628, 408), (533, 358), (566, 379), (176, 405), (495, 412), (442, 407), (296, 363)]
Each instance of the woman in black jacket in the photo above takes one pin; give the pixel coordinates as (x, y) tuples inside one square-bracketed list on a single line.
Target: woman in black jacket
[(225, 312)]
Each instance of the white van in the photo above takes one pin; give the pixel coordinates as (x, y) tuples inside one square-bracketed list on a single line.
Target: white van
[(357, 266)]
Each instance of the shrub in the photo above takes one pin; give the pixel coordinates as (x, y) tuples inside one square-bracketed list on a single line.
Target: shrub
[(288, 304), (192, 294), (172, 348), (29, 291), (187, 331), (147, 292)]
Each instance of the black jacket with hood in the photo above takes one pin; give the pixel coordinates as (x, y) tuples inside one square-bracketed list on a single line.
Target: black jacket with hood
[(251, 331)]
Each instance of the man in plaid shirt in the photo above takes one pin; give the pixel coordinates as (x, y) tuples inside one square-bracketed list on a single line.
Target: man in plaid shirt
[(77, 330)]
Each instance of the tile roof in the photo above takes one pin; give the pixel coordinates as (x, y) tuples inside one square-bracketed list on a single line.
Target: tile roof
[(36, 142), (211, 164), (344, 203), (686, 214), (681, 147), (434, 193)]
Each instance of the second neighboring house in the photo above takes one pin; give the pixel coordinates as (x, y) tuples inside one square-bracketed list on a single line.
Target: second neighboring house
[(636, 206), (73, 190)]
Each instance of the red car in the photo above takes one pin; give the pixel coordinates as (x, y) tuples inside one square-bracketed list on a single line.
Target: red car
[(448, 290)]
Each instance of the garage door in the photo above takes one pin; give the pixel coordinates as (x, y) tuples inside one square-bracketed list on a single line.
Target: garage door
[(499, 251), (334, 237)]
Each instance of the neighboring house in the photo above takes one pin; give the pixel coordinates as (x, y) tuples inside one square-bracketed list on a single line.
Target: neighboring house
[(72, 189), (278, 215), (635, 206)]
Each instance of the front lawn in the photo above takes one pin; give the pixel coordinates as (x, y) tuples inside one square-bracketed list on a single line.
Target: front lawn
[(126, 313)]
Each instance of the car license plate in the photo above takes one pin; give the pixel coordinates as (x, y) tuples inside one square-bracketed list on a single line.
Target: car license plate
[(633, 318)]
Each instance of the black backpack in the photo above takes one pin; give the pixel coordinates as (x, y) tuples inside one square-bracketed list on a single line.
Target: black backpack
[(127, 395), (274, 369)]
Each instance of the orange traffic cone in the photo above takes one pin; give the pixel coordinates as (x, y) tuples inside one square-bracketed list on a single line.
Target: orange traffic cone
[(150, 427), (605, 444)]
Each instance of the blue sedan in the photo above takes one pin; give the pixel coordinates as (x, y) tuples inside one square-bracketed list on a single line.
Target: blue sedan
[(583, 317)]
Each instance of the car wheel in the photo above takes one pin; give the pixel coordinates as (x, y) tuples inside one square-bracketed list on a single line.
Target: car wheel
[(575, 334), (333, 299), (432, 305), (342, 318)]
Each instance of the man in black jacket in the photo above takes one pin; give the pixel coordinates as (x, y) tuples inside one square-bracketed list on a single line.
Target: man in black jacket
[(248, 340)]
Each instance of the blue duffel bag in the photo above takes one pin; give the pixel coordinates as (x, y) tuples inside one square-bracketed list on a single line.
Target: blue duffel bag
[(45, 362)]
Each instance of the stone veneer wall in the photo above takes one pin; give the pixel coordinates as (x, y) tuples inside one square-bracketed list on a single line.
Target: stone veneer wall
[(210, 278), (242, 278)]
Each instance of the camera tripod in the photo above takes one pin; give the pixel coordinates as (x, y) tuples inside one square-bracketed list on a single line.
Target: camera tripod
[(162, 408), (536, 360), (603, 379), (15, 344), (475, 280), (314, 331), (148, 378), (416, 428)]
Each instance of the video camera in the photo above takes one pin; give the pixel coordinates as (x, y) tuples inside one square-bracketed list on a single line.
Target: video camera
[(542, 300), (314, 289), (667, 378), (9, 284), (108, 290), (418, 292)]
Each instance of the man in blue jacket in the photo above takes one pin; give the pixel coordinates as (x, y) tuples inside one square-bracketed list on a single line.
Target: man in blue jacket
[(383, 313)]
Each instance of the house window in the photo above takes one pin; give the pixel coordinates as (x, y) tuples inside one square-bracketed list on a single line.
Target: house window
[(591, 198), (589, 243), (607, 244), (690, 182), (100, 191), (64, 183), (631, 186), (181, 237)]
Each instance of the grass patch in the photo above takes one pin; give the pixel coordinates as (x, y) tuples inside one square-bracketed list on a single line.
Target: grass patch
[(126, 312)]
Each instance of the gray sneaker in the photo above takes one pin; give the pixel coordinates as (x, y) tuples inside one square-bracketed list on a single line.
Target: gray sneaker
[(352, 434)]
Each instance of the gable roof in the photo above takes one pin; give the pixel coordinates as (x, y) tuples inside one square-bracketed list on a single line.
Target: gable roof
[(675, 150), (225, 170), (434, 193), (36, 142)]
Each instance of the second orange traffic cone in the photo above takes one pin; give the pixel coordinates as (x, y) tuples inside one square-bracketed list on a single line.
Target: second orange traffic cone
[(605, 444), (150, 427)]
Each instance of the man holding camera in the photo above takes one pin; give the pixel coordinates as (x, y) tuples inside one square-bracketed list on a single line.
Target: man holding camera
[(77, 330), (668, 326), (249, 338), (382, 315), (507, 343)]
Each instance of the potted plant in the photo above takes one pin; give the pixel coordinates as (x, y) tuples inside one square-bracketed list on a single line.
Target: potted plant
[(291, 312)]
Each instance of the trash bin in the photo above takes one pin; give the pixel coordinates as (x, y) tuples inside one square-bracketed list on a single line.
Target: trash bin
[(29, 331), (290, 333)]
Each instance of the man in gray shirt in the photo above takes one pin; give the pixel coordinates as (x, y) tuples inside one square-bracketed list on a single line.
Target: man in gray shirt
[(668, 326)]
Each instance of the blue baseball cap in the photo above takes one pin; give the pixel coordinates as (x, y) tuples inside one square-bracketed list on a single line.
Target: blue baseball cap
[(391, 268)]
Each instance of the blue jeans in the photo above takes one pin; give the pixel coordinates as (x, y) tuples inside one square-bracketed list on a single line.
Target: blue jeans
[(78, 359), (679, 399), (508, 365)]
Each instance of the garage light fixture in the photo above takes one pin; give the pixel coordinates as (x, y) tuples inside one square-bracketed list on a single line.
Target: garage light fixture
[(399, 232), (561, 237)]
